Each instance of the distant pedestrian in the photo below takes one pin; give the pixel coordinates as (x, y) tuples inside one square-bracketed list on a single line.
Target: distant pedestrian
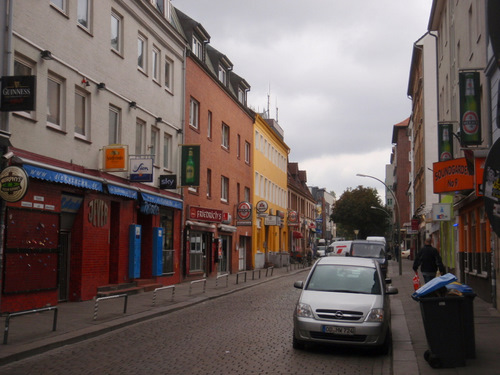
[(429, 261)]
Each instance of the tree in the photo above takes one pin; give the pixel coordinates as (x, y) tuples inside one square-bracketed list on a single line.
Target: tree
[(353, 211)]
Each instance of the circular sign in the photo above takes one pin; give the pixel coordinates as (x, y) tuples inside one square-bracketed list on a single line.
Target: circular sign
[(261, 206), (244, 210), (13, 184)]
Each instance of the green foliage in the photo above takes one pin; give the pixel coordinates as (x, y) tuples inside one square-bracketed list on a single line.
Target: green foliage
[(353, 211)]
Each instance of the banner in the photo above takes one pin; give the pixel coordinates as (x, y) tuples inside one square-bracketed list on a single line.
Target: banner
[(445, 142), (470, 108), (190, 165)]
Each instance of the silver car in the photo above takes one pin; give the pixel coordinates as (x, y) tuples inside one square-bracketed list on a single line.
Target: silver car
[(344, 301)]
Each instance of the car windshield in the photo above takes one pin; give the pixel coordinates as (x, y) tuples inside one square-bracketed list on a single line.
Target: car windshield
[(364, 250), (344, 278)]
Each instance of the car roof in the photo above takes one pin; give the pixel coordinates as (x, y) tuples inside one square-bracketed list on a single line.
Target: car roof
[(368, 242), (349, 261)]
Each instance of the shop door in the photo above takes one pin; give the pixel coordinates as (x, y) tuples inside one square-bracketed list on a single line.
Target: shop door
[(63, 274), (222, 266), (242, 253)]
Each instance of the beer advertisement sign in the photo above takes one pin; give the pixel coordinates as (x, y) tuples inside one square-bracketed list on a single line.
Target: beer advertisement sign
[(13, 184), (18, 93), (445, 141), (470, 108), (115, 158), (190, 165)]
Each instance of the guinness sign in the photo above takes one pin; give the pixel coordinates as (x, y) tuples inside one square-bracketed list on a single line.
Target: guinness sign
[(18, 93)]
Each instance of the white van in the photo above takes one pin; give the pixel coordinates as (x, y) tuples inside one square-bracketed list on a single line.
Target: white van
[(377, 239), (339, 248)]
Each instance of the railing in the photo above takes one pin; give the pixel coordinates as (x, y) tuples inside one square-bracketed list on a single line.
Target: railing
[(204, 281), (226, 275), (96, 305), (238, 276), (164, 288), (19, 313), (253, 273), (267, 270)]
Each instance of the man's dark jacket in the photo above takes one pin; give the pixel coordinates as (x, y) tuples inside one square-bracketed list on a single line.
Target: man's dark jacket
[(429, 260)]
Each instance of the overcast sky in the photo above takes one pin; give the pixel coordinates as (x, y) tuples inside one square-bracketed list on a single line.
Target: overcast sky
[(336, 70)]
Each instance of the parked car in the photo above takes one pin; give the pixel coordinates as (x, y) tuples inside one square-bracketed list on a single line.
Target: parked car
[(370, 249), (338, 248), (321, 251), (344, 301)]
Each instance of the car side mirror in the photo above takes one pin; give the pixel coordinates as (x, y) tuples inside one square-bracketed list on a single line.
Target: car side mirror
[(391, 290), (299, 284)]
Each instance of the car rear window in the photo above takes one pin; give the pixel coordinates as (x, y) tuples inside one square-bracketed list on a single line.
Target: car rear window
[(367, 250)]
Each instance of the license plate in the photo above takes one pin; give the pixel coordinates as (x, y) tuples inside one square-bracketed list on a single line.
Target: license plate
[(349, 331)]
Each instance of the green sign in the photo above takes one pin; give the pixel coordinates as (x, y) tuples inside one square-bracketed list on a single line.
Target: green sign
[(190, 165), (470, 108), (445, 141)]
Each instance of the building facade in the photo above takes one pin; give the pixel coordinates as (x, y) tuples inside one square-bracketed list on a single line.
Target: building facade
[(218, 124), (104, 128), (269, 216)]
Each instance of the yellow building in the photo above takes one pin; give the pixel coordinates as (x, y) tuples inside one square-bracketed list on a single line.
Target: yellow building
[(269, 216)]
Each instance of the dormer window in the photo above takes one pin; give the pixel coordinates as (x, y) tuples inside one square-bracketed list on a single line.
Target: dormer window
[(222, 74), (242, 97), (197, 48), (163, 6)]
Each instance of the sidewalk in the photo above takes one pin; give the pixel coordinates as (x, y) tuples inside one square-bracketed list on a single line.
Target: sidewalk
[(410, 343), (32, 334)]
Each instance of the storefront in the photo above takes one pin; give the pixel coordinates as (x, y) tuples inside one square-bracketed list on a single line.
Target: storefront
[(74, 232)]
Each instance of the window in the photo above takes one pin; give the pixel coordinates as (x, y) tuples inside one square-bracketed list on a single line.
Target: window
[(61, 4), (54, 105), (209, 182), (168, 73), (197, 48), (224, 189), (114, 125), (83, 13), (247, 194), (247, 152), (153, 147), (222, 74), (116, 32), (141, 53), (194, 114), (225, 136), (241, 96), (23, 68), (167, 146), (238, 147), (81, 114), (155, 64), (140, 131), (163, 6), (209, 125)]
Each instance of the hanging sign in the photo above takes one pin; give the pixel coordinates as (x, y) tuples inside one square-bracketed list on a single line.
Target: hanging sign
[(18, 93), (13, 184), (491, 184)]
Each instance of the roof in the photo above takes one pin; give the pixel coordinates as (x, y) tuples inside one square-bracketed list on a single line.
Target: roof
[(395, 129)]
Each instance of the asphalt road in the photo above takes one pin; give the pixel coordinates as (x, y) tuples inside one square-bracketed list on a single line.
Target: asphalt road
[(248, 332)]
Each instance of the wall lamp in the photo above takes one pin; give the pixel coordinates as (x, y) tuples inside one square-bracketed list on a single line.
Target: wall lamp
[(101, 85), (159, 119), (46, 55), (85, 82), (132, 105)]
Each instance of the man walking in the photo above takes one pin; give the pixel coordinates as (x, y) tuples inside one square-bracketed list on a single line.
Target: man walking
[(429, 261)]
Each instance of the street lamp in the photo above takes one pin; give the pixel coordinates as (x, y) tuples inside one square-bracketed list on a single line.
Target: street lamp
[(397, 219)]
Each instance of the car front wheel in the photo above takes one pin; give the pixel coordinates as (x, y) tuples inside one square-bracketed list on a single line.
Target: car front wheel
[(297, 344)]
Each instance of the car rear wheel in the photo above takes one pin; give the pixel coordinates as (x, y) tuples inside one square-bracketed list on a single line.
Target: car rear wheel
[(297, 344)]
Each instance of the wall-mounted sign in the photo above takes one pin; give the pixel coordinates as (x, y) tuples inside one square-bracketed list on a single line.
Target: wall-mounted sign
[(168, 181), (470, 110), (115, 158), (18, 93), (491, 184), (13, 184), (441, 211), (190, 165), (98, 213), (261, 206), (271, 220), (141, 169), (293, 218), (205, 214), (244, 210), (452, 175)]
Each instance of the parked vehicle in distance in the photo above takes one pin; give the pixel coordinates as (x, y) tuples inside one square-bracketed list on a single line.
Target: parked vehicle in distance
[(344, 301), (370, 249), (377, 238), (321, 251), (338, 248), (405, 254)]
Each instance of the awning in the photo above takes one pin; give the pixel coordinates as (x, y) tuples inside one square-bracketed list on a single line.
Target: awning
[(122, 191), (196, 225), (226, 228), (62, 177), (297, 234), (160, 200)]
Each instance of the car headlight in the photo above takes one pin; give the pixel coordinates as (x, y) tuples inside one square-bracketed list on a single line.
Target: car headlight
[(303, 310), (375, 315)]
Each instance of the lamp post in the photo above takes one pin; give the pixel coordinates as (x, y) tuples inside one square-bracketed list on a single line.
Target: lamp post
[(397, 218)]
